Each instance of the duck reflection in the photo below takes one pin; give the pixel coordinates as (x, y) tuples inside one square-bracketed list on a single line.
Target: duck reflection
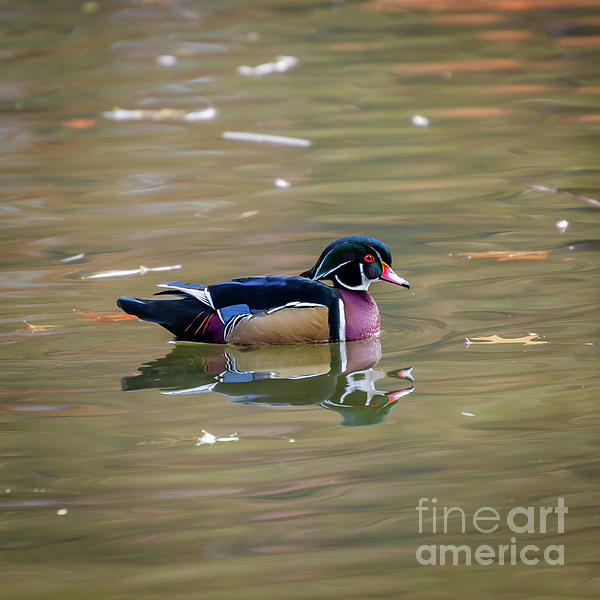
[(339, 377)]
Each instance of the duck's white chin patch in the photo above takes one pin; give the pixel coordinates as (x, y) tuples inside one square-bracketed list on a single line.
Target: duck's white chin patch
[(363, 287)]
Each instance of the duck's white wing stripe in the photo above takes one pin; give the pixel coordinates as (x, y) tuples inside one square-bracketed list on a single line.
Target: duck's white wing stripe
[(294, 305), (202, 295), (342, 318)]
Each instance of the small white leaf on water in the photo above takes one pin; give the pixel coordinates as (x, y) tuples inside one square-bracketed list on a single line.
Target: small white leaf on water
[(166, 60), (61, 512), (280, 65), (201, 115), (161, 114), (72, 258), (562, 225), (420, 121), (543, 188), (141, 270), (264, 138), (209, 438), (282, 183), (468, 414)]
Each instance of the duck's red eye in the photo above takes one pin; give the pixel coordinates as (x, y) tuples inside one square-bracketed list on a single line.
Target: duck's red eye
[(369, 258)]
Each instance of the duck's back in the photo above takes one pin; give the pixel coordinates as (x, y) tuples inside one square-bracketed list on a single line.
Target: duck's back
[(249, 310)]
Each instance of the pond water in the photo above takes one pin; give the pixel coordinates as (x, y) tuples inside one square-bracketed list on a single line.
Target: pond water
[(109, 485)]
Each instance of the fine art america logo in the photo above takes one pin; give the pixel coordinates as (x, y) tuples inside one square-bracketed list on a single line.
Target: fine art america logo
[(486, 520)]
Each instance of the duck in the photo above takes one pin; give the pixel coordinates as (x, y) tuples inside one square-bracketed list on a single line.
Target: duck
[(277, 309)]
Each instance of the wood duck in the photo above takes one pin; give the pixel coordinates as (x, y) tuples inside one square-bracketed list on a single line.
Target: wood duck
[(280, 309)]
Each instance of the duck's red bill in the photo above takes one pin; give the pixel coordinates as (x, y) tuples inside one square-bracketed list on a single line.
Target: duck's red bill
[(389, 275)]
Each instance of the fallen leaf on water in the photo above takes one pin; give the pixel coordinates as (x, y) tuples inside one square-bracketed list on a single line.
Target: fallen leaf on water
[(503, 255), (527, 340), (79, 123), (92, 316), (209, 438), (248, 213), (38, 328)]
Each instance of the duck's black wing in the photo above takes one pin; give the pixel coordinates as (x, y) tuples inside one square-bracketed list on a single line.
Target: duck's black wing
[(244, 297)]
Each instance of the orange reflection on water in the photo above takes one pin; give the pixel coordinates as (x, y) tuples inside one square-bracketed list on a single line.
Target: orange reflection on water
[(519, 89), (505, 35), (472, 112), (474, 64)]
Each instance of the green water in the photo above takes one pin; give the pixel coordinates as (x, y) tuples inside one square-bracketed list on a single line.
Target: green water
[(101, 418)]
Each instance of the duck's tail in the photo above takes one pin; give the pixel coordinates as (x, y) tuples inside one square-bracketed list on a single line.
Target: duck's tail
[(148, 310), (185, 317)]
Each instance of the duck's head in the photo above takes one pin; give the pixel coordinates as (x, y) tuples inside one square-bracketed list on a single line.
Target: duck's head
[(354, 263)]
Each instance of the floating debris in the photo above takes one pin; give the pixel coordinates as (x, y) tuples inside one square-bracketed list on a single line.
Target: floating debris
[(161, 114), (38, 328), (420, 121), (248, 213), (280, 65), (61, 512), (166, 60), (562, 225), (141, 270), (527, 340), (468, 414), (264, 138), (282, 183), (209, 438), (73, 258)]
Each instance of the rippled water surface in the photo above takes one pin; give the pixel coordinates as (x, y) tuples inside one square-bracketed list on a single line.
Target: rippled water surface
[(491, 212)]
